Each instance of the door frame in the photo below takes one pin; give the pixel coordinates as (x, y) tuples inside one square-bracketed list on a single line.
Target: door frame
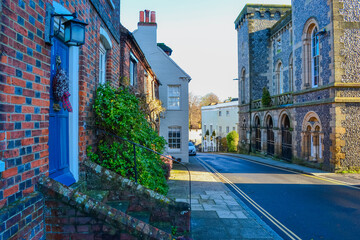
[(74, 99)]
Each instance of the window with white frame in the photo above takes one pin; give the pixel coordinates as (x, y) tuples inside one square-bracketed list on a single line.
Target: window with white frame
[(315, 64), (102, 64), (220, 130), (227, 113), (133, 69), (174, 138), (219, 113), (227, 129), (174, 97), (233, 128)]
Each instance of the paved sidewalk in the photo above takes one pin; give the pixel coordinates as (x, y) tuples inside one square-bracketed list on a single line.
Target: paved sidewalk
[(348, 178), (216, 212)]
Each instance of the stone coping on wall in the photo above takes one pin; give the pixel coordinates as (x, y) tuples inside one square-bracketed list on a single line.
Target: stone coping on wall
[(99, 210), (114, 180)]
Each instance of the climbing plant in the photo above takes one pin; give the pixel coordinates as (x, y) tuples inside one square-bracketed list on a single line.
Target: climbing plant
[(117, 111)]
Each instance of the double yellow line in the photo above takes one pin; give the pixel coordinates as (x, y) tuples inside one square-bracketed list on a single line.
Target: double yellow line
[(322, 178), (272, 219)]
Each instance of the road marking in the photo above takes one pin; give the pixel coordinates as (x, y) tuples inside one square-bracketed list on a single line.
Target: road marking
[(338, 182), (272, 219)]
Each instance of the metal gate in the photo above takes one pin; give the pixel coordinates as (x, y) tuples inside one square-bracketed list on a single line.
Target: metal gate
[(286, 144), (270, 141)]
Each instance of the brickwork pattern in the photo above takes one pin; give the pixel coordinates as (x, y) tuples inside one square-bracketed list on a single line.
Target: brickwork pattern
[(23, 220), (73, 213), (24, 94)]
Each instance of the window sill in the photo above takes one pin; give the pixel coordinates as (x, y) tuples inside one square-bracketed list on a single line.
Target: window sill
[(174, 150)]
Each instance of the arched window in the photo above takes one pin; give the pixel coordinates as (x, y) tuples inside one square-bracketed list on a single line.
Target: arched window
[(242, 86), (315, 57), (311, 54), (312, 138), (279, 79)]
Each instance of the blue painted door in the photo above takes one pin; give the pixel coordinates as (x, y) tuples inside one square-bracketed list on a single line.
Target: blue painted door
[(59, 123)]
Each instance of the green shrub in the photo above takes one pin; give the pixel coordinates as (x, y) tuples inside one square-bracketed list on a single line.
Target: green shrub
[(117, 111), (266, 98), (232, 141)]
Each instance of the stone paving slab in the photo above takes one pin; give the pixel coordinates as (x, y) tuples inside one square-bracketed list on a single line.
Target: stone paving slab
[(216, 212)]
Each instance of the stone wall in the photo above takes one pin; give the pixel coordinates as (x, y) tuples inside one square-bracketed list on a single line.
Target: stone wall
[(25, 89), (346, 37), (303, 10)]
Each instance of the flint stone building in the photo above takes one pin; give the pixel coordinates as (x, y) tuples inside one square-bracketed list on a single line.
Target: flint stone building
[(307, 57)]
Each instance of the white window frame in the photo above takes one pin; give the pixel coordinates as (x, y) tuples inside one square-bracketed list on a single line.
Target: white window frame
[(174, 97), (219, 113), (174, 142), (102, 64), (133, 70), (227, 129)]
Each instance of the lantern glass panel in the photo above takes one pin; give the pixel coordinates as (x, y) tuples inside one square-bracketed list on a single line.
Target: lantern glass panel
[(77, 33), (67, 33)]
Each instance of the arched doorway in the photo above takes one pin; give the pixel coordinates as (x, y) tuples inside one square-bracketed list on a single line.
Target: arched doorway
[(257, 134), (270, 136), (286, 139)]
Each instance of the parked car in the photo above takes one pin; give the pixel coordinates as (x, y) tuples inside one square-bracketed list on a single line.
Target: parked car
[(192, 149)]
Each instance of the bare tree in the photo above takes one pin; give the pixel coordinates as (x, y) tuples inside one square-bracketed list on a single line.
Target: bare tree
[(194, 111), (209, 99)]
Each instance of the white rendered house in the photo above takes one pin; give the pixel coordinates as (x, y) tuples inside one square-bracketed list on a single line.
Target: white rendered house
[(218, 120), (174, 91)]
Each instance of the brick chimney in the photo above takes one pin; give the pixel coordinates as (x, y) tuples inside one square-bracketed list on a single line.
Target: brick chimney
[(147, 17)]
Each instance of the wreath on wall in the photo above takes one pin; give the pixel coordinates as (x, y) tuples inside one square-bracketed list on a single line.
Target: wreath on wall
[(61, 88)]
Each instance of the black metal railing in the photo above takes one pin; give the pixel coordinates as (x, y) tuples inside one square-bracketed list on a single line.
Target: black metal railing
[(148, 149)]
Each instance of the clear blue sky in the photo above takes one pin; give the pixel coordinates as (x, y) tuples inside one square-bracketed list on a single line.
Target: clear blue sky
[(202, 36)]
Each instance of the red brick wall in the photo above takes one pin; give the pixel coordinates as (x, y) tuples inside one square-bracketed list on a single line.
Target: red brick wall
[(65, 222), (25, 220), (25, 85)]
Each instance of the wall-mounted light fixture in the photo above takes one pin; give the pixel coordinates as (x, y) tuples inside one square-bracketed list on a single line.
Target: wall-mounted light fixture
[(74, 29)]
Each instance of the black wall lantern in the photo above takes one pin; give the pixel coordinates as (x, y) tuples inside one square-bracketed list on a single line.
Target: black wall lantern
[(74, 29)]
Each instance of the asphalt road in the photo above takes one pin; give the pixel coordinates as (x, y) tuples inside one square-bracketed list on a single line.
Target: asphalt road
[(296, 206)]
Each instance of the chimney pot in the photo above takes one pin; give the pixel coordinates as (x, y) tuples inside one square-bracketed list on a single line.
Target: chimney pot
[(153, 17), (147, 12), (141, 16)]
